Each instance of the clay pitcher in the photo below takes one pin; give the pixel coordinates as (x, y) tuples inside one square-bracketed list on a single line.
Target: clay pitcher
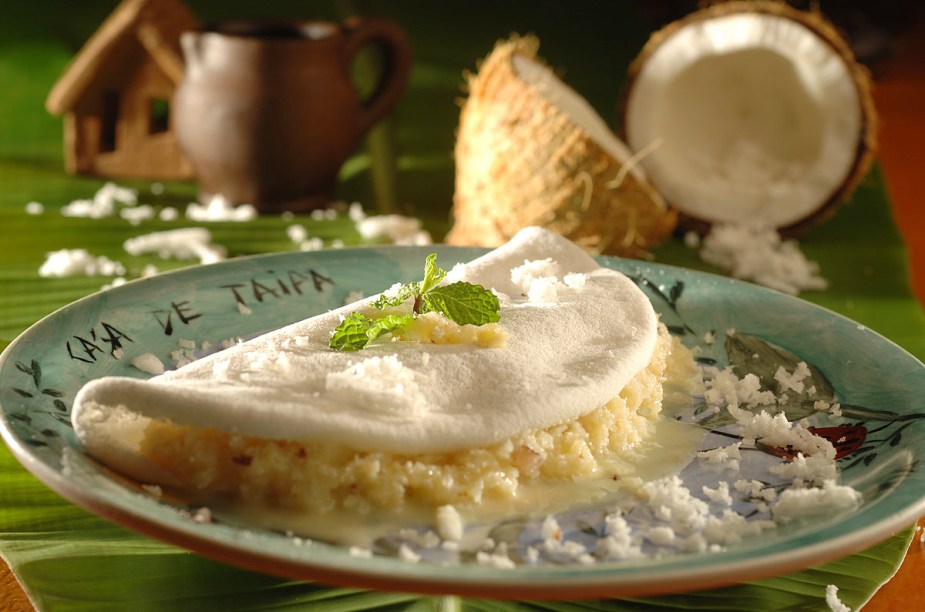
[(267, 112)]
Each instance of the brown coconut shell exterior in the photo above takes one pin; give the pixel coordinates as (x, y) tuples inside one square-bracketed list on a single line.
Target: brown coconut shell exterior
[(521, 161), (820, 25)]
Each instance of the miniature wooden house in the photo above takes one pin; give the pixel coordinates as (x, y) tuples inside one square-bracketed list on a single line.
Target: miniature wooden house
[(115, 94)]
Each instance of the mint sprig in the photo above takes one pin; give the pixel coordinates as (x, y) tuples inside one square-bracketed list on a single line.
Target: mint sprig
[(462, 302), (358, 330)]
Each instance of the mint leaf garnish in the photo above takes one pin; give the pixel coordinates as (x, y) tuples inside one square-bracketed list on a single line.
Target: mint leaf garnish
[(404, 292), (462, 302), (350, 335), (432, 275), (358, 330)]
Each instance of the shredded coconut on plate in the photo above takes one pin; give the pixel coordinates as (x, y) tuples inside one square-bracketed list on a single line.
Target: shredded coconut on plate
[(726, 457), (719, 494), (147, 362), (755, 489), (406, 553), (449, 523), (776, 431), (498, 558), (792, 381), (619, 540), (725, 388), (815, 468), (797, 503)]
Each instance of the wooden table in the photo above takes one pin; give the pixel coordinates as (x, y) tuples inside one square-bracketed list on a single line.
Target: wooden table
[(900, 98)]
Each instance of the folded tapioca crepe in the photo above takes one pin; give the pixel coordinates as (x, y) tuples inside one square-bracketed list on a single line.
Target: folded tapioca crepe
[(576, 334)]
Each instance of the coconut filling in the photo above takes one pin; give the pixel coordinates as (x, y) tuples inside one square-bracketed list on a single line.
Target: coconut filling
[(319, 477), (757, 116)]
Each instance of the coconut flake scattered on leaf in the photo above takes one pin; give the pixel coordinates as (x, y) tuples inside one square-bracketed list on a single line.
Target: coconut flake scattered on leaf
[(104, 203), (182, 243), (220, 208), (531, 151), (760, 255), (78, 262), (761, 111)]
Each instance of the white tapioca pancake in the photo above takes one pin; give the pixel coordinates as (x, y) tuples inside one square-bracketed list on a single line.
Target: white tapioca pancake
[(574, 341)]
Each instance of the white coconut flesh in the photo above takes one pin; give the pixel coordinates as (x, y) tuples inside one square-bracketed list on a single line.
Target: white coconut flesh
[(580, 112), (758, 117)]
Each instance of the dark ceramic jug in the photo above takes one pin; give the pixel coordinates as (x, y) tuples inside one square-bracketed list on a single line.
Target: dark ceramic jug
[(267, 112)]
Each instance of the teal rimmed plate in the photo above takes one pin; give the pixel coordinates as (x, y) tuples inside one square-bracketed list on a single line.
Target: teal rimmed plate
[(879, 434)]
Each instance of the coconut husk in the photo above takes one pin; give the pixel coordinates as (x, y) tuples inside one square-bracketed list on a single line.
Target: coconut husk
[(522, 161), (820, 25)]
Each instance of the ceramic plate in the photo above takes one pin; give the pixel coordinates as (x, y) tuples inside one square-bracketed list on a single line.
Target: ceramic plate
[(879, 434)]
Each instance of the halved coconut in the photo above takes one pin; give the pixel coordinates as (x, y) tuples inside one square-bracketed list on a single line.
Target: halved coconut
[(532, 152), (760, 112)]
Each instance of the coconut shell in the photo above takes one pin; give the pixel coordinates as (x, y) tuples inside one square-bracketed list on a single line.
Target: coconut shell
[(521, 161), (820, 25)]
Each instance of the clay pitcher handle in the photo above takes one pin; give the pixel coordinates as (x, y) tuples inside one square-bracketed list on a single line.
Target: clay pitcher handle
[(396, 69)]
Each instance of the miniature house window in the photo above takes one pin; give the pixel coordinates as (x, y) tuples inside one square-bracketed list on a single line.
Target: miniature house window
[(158, 115), (108, 121)]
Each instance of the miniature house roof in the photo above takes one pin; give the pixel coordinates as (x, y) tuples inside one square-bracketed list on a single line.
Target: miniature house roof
[(155, 24)]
